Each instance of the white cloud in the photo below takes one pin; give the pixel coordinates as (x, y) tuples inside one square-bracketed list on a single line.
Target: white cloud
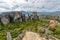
[(31, 5)]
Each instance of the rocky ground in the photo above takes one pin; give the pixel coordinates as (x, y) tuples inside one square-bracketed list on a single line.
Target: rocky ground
[(29, 35)]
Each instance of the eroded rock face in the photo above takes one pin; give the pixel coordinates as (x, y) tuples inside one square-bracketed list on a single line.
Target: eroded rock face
[(34, 16), (17, 16), (23, 17), (8, 17), (14, 16), (5, 19), (44, 30)]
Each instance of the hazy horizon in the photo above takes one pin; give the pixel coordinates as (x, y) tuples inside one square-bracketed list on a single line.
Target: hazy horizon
[(30, 5)]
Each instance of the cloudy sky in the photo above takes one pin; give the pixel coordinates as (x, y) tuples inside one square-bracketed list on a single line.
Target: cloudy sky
[(30, 5)]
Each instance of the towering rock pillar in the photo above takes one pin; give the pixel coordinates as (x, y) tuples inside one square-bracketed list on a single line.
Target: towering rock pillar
[(5, 19), (34, 16)]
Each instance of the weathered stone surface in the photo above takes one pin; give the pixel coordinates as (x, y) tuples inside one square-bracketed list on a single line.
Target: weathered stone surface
[(34, 16), (8, 17), (45, 30), (19, 16), (29, 17), (5, 19), (29, 35), (25, 17), (15, 16), (20, 20), (9, 36)]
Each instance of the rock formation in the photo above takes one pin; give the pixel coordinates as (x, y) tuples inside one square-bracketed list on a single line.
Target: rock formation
[(5, 19), (34, 16), (14, 16), (8, 17), (45, 30), (29, 35)]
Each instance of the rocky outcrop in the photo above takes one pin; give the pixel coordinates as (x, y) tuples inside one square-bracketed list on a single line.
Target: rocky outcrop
[(14, 16), (8, 17), (44, 30), (29, 35), (5, 19), (34, 16)]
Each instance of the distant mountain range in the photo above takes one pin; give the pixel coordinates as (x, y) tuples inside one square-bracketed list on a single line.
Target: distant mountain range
[(45, 13), (50, 13)]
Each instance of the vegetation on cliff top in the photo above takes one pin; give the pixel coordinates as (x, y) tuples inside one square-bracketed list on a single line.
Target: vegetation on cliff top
[(17, 27)]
